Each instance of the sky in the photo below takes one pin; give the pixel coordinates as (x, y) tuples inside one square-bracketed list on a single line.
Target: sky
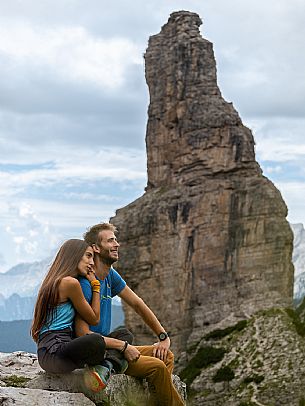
[(73, 106)]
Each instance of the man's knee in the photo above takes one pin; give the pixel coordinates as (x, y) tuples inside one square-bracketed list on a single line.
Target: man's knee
[(170, 357), (158, 368), (122, 334)]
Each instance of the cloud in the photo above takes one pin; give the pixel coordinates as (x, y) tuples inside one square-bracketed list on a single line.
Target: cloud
[(32, 237), (2, 261), (71, 53), (260, 57), (73, 105), (293, 194), (79, 167), (274, 169)]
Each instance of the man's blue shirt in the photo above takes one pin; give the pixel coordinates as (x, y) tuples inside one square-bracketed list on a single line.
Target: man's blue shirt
[(111, 286)]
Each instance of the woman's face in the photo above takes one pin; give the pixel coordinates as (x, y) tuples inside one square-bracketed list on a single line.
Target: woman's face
[(86, 264)]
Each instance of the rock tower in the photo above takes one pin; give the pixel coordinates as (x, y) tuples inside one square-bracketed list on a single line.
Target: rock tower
[(209, 240)]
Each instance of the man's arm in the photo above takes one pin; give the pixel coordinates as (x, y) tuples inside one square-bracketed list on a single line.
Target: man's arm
[(149, 318)]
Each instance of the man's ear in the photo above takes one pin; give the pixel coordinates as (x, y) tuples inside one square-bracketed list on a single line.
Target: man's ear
[(96, 248)]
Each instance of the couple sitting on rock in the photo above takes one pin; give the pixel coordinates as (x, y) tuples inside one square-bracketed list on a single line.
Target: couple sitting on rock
[(75, 301)]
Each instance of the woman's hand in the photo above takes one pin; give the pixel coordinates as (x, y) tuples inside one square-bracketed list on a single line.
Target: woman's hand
[(131, 354), (90, 275)]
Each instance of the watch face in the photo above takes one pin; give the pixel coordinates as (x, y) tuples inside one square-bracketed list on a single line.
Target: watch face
[(162, 336)]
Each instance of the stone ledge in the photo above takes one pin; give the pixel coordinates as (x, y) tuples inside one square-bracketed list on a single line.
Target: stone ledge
[(36, 397), (64, 389), (120, 389)]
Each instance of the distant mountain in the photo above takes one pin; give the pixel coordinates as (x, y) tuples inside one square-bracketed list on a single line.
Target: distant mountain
[(17, 307), (23, 279), (15, 335), (298, 259), (19, 287)]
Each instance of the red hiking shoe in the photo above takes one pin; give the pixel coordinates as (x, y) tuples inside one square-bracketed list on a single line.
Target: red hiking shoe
[(96, 378)]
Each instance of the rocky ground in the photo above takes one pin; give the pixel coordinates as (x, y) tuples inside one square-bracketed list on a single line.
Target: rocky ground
[(259, 361), (23, 383)]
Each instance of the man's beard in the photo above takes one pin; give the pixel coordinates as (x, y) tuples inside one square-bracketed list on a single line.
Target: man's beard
[(106, 260)]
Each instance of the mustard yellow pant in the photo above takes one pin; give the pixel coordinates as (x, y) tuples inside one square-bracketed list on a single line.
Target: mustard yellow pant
[(158, 374)]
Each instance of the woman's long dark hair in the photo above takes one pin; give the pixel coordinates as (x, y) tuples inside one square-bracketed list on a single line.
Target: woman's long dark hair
[(65, 264)]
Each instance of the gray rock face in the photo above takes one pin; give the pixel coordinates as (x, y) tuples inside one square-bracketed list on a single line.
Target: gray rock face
[(209, 240)]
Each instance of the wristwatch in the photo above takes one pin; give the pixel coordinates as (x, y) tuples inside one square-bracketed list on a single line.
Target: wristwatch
[(163, 336)]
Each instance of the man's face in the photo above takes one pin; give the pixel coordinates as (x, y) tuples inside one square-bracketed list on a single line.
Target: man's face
[(109, 247)]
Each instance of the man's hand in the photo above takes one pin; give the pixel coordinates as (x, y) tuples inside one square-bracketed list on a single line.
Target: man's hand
[(161, 348), (132, 354)]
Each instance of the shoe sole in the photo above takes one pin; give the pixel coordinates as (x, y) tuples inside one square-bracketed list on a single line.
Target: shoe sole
[(93, 381)]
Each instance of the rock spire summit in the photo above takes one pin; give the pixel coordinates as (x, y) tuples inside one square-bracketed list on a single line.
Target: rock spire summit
[(192, 131)]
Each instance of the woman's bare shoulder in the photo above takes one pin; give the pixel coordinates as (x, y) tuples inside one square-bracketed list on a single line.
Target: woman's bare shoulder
[(69, 281)]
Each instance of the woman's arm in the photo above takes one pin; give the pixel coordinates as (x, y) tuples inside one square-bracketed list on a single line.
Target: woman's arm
[(70, 288)]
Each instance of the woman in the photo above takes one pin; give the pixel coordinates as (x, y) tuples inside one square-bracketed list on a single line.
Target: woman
[(59, 298)]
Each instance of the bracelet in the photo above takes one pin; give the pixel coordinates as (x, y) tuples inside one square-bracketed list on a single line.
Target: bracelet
[(124, 348), (95, 283), (96, 290)]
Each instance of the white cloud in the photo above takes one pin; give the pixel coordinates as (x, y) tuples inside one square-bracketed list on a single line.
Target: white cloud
[(274, 169), (70, 52), (293, 193), (80, 166), (2, 261), (31, 235), (73, 104), (279, 139), (283, 150)]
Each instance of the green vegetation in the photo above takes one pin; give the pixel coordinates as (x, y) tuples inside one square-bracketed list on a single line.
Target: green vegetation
[(253, 378), (234, 363), (205, 356), (299, 325), (300, 308), (224, 374), (15, 381), (220, 333), (193, 347), (302, 402)]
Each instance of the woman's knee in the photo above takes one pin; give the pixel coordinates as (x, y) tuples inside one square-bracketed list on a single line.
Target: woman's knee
[(96, 341)]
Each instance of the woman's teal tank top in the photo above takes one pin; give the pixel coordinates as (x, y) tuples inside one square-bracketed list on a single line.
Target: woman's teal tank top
[(63, 318)]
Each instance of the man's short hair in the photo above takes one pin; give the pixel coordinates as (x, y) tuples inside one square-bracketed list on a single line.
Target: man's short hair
[(91, 236)]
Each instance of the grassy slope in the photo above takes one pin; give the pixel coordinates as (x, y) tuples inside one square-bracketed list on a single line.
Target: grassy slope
[(258, 362)]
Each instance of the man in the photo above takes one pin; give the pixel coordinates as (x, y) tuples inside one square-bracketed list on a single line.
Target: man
[(154, 362)]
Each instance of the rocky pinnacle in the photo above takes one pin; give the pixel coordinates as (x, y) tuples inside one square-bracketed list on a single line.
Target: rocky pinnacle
[(208, 242)]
